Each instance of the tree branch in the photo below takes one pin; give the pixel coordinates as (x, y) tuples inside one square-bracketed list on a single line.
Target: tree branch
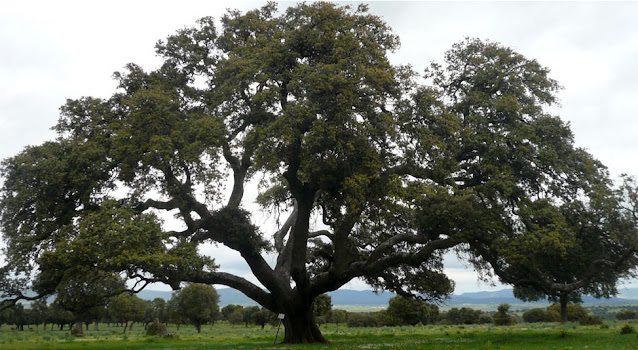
[(252, 291), (319, 233)]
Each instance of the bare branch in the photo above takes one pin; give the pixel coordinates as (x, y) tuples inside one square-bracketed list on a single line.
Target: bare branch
[(285, 228), (325, 233)]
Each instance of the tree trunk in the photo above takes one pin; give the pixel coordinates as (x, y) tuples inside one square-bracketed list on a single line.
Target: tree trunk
[(563, 308), (80, 328), (300, 327), (125, 326), (96, 327), (130, 328), (199, 328)]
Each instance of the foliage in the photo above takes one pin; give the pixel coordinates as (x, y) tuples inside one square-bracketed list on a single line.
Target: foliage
[(127, 307), (534, 315), (237, 317), (229, 310), (575, 312), (591, 320), (540, 315), (364, 319), (412, 311), (158, 306), (156, 328), (568, 232), (464, 315), (59, 315), (86, 294), (627, 315), (502, 318), (262, 317), (398, 169), (198, 304), (77, 330), (337, 316), (322, 305), (627, 329)]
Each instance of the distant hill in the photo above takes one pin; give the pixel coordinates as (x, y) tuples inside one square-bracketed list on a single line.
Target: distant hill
[(349, 297)]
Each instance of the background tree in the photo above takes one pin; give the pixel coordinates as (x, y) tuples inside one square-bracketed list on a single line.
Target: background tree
[(229, 309), (536, 315), (575, 312), (85, 294), (464, 315), (125, 308), (237, 317), (262, 317), (39, 313), (19, 316), (60, 316), (412, 311), (5, 314), (307, 101), (321, 307), (174, 312), (627, 315), (501, 317), (249, 314), (159, 309), (337, 316), (198, 304)]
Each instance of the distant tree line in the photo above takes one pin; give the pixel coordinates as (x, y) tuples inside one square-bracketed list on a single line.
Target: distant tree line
[(198, 304)]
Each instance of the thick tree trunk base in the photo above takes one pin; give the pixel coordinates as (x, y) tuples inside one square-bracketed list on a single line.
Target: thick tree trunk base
[(302, 329), (563, 309)]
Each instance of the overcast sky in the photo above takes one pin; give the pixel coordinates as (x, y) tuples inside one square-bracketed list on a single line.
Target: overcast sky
[(54, 50)]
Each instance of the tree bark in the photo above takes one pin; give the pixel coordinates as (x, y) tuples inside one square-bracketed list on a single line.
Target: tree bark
[(301, 328), (563, 308)]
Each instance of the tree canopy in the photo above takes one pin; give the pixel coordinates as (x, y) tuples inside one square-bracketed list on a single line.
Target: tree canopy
[(375, 171), (198, 304)]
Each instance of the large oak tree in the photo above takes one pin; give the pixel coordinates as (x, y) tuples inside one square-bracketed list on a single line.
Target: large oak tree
[(377, 175)]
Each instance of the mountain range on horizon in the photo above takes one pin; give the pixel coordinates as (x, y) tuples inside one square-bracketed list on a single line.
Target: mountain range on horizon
[(348, 297)]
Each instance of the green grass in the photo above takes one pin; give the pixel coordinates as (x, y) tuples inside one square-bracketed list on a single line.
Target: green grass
[(224, 336)]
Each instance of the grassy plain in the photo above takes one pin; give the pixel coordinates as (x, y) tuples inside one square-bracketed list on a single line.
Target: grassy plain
[(224, 336)]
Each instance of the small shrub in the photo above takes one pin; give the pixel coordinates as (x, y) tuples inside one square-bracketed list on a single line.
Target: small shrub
[(534, 315), (77, 331), (627, 315), (604, 326), (627, 329), (591, 320), (363, 319), (485, 319), (563, 333), (156, 328)]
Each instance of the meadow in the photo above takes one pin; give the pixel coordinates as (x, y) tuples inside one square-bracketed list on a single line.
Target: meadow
[(224, 336)]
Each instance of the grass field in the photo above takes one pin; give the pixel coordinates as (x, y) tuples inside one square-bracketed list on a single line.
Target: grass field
[(224, 336)]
